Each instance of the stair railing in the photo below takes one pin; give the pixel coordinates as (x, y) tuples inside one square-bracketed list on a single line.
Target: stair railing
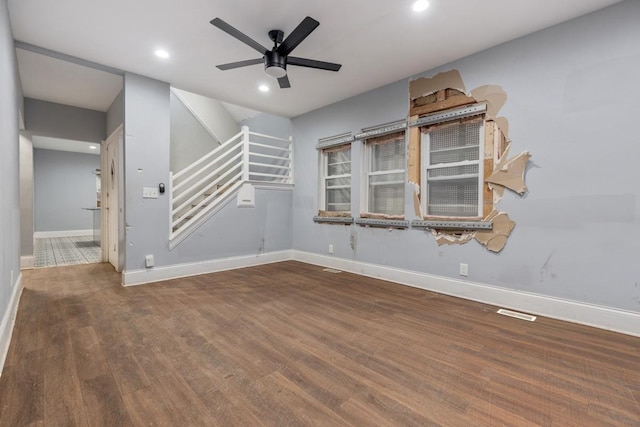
[(199, 188)]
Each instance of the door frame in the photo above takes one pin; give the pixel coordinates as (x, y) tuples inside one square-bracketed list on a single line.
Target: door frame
[(117, 138)]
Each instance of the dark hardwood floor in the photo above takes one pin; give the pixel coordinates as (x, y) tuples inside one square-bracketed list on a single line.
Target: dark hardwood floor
[(288, 344)]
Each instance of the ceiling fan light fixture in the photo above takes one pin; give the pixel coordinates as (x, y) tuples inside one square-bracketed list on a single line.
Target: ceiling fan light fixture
[(275, 71), (275, 65)]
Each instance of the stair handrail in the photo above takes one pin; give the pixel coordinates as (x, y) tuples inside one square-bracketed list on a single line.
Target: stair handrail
[(228, 175), (206, 157)]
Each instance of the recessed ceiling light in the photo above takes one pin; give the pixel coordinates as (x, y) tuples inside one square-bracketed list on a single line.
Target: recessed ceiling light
[(93, 147), (263, 88), (162, 53), (420, 5)]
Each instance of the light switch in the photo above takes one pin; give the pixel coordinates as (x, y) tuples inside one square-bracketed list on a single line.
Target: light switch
[(149, 192)]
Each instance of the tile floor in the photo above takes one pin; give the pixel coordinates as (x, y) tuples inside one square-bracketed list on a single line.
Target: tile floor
[(52, 252)]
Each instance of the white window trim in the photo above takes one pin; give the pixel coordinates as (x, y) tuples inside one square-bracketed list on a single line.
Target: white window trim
[(324, 168), (364, 205), (425, 167)]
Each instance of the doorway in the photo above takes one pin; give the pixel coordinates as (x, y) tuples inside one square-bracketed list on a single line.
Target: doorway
[(110, 197)]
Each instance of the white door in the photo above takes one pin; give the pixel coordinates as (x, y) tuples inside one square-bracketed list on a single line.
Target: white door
[(110, 194)]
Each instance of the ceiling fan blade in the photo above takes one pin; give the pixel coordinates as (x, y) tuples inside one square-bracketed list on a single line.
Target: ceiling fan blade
[(239, 64), (296, 37), (284, 82), (217, 22), (312, 63)]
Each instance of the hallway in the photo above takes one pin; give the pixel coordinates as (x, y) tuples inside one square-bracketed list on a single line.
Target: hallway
[(59, 251)]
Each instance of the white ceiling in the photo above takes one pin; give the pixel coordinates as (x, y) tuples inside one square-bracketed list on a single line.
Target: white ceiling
[(377, 41), (48, 143), (55, 80)]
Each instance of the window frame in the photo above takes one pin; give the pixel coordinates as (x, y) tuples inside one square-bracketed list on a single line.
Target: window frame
[(367, 173), (425, 157), (324, 176)]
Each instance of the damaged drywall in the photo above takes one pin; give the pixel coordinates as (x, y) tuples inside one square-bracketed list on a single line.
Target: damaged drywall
[(496, 238), (425, 86), (447, 90), (511, 174)]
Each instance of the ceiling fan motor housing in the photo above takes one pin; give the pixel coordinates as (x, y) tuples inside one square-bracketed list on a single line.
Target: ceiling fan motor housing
[(275, 64)]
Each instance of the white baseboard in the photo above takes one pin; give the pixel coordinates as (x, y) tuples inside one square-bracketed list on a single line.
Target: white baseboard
[(62, 233), (27, 262), (626, 322), (8, 321), (156, 274)]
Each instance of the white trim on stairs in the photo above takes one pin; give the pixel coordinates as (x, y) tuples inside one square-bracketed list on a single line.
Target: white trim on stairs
[(9, 320)]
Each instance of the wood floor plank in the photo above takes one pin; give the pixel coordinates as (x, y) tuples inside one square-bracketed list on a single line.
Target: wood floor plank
[(22, 391), (288, 344), (63, 402)]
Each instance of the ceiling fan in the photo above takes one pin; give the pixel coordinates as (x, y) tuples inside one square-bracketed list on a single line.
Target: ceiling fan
[(276, 60)]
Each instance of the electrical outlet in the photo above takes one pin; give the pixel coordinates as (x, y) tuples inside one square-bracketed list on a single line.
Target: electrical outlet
[(330, 249), (148, 261), (464, 269)]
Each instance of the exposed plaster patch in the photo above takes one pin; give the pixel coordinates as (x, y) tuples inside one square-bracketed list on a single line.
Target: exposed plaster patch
[(425, 86)]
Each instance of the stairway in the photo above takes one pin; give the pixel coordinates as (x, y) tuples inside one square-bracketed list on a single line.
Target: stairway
[(202, 188)]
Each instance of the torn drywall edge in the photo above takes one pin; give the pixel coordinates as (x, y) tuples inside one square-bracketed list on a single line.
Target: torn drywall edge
[(503, 125), (423, 86), (493, 95), (510, 174), (452, 239), (496, 238), (497, 243), (334, 214), (417, 207), (369, 215)]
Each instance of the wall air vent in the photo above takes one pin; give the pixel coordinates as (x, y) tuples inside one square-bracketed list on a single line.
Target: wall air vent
[(517, 315)]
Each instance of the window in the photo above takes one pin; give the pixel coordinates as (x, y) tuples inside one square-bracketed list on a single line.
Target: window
[(385, 174), (452, 171), (336, 179)]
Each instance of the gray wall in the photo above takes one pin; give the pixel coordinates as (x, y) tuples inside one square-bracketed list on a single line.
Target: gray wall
[(9, 161), (571, 92), (269, 124), (190, 141), (45, 118), (146, 158), (26, 194), (64, 183), (213, 114), (232, 232), (115, 114)]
